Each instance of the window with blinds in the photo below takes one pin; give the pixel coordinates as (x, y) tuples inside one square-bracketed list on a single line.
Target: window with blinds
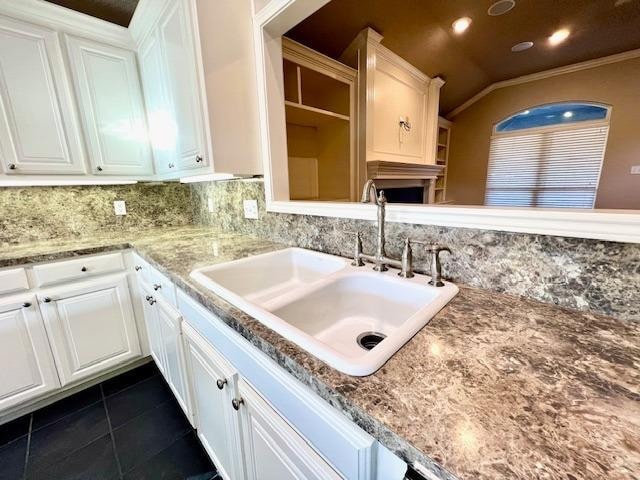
[(546, 167)]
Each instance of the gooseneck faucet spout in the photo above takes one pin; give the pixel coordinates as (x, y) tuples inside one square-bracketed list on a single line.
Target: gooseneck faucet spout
[(369, 192)]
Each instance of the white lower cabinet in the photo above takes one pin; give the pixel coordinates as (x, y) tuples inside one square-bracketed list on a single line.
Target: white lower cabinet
[(165, 342), (28, 369), (91, 326), (169, 320), (273, 450), (213, 388)]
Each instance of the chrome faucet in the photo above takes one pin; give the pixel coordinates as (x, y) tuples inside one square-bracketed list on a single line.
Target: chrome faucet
[(370, 194), (380, 259)]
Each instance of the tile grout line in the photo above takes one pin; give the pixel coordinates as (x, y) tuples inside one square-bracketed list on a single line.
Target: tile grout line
[(113, 439), (26, 454)]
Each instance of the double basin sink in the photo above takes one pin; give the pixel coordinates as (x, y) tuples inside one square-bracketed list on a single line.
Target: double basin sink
[(352, 318)]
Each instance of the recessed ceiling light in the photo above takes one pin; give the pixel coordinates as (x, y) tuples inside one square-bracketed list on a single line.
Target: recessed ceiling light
[(501, 7), (567, 114), (521, 47), (559, 36), (461, 25), (526, 112)]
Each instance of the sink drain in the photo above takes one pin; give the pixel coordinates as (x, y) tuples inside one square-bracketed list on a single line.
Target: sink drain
[(368, 340)]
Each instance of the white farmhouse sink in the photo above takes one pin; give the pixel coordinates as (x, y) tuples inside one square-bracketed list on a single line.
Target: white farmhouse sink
[(352, 318)]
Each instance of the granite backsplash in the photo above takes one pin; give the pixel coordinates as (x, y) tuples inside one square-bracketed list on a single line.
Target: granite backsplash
[(42, 213), (581, 274)]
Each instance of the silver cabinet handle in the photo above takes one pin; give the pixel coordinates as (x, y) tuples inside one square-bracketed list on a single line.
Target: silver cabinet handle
[(157, 287), (46, 300), (199, 158), (99, 168), (83, 269), (221, 383), (236, 402), (151, 300), (137, 268), (171, 165), (12, 166), (26, 304)]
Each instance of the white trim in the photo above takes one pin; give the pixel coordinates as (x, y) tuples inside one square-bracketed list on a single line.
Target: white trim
[(63, 19), (554, 72), (278, 17), (612, 225)]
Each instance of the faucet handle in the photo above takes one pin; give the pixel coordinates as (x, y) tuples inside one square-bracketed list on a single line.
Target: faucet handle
[(407, 260), (436, 266), (357, 249)]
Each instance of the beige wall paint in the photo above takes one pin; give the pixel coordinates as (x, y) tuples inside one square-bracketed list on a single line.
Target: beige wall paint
[(616, 84)]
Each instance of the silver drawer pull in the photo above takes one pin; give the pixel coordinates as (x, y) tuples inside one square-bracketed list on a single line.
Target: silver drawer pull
[(236, 402), (221, 383), (157, 287), (26, 304)]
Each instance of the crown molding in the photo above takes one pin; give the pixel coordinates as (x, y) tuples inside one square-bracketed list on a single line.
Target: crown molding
[(576, 67), (66, 20)]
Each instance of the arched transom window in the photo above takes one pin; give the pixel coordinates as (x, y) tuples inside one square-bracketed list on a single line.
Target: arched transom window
[(548, 156)]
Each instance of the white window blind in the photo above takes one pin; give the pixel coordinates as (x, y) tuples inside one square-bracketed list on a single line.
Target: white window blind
[(546, 168)]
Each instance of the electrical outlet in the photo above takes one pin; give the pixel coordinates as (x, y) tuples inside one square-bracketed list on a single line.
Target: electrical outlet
[(210, 204), (250, 209), (635, 170), (120, 207)]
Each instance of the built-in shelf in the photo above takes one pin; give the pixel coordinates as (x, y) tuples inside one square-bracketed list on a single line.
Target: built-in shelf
[(311, 116), (444, 137)]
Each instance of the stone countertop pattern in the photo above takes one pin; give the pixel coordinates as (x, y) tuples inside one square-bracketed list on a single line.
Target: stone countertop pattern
[(495, 387)]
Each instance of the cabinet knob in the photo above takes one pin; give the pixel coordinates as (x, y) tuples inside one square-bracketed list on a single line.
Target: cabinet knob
[(99, 168), (199, 158), (12, 166), (221, 383), (171, 165), (236, 402), (151, 300), (28, 304), (46, 300), (138, 268), (157, 287), (83, 269)]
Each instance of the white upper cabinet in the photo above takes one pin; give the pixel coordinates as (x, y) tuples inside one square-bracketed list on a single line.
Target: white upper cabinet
[(198, 72), (177, 43), (111, 106), (39, 132), (163, 131)]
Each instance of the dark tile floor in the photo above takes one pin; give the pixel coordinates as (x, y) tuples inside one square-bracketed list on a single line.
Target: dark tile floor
[(128, 428)]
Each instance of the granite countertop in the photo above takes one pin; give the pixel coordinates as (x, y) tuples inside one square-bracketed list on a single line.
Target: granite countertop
[(495, 387)]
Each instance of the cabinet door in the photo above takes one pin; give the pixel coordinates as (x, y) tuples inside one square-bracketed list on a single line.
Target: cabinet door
[(213, 387), (273, 450), (39, 132), (177, 38), (28, 369), (91, 326), (163, 131), (110, 99), (150, 312), (169, 321)]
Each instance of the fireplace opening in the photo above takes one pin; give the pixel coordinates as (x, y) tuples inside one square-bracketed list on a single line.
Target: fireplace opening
[(405, 195)]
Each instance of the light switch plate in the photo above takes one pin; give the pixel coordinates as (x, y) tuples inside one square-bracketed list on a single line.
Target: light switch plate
[(120, 207), (635, 170), (250, 209)]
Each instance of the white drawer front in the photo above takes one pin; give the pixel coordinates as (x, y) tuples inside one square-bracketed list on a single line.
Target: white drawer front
[(78, 268), (14, 280), (154, 280)]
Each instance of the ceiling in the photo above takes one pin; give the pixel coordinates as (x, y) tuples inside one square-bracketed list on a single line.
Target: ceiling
[(420, 32), (114, 11)]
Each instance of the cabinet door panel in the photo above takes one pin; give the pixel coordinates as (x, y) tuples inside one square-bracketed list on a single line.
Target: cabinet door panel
[(273, 449), (153, 328), (163, 131), (91, 326), (107, 83), (169, 321), (177, 39), (39, 132), (25, 348), (217, 424)]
